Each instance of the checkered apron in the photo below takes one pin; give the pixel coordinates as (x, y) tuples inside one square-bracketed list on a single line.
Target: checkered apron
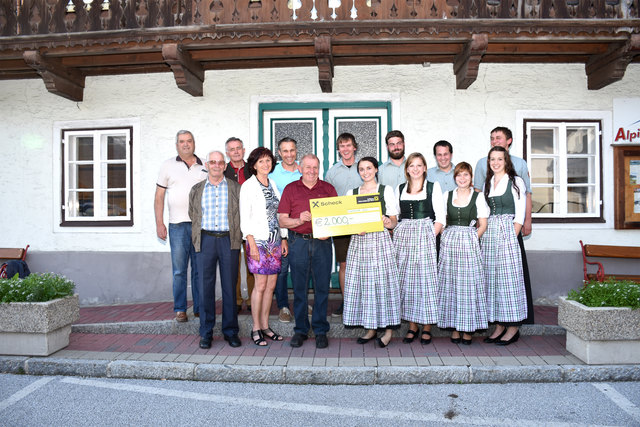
[(461, 296), (415, 243), (372, 282), (506, 297)]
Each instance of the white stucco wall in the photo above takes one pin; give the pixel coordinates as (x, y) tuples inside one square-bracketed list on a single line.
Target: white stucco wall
[(427, 107)]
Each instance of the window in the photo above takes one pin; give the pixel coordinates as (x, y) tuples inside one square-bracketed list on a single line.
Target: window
[(566, 170), (96, 177)]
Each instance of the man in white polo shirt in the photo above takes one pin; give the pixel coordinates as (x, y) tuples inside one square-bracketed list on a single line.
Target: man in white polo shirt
[(177, 176)]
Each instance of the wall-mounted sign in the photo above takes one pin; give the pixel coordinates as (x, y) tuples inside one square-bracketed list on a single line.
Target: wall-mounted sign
[(626, 121)]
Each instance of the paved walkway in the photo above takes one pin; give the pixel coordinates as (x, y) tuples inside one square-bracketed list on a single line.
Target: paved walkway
[(143, 341)]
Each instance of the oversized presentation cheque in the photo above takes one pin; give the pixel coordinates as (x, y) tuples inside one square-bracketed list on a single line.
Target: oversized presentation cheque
[(337, 216)]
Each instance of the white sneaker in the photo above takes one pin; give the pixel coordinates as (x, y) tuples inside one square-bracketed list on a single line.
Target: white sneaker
[(285, 315)]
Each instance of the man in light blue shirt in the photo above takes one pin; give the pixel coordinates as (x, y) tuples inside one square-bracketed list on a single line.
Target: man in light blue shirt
[(284, 174), (343, 176), (442, 173), (391, 173)]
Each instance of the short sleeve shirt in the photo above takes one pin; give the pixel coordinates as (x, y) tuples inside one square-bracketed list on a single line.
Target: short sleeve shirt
[(343, 178), (177, 178), (283, 177), (445, 179), (390, 174), (295, 200)]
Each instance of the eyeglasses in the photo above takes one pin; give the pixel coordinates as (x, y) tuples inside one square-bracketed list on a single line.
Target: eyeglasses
[(216, 162)]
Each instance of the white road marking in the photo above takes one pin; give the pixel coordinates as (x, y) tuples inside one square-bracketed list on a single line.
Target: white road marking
[(24, 392), (625, 404), (309, 408)]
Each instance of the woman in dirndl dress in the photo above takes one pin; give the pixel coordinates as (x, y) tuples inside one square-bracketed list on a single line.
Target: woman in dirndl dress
[(461, 298), (372, 282), (506, 296), (422, 217), (259, 198)]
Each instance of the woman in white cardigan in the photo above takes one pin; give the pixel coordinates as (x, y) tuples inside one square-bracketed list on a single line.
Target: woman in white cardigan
[(265, 240)]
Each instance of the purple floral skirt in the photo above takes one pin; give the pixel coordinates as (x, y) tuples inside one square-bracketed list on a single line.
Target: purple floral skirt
[(270, 257)]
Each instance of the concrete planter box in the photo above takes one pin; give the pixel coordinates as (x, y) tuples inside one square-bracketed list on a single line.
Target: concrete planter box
[(37, 328), (601, 335)]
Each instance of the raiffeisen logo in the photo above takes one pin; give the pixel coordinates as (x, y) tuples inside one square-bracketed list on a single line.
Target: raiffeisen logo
[(627, 135)]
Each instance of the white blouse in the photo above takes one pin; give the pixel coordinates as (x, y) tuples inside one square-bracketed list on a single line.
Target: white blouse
[(436, 200), (390, 200), (520, 202), (481, 204)]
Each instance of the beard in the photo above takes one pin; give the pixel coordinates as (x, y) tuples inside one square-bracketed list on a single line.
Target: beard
[(397, 155)]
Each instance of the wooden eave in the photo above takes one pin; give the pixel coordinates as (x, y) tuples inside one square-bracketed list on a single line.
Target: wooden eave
[(63, 60)]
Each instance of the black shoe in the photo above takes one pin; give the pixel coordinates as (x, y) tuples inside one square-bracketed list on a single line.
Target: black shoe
[(509, 341), (423, 340), (381, 343), (322, 341), (466, 342), (297, 340), (233, 340), (489, 340), (411, 335), (363, 340), (456, 340), (338, 311), (205, 342)]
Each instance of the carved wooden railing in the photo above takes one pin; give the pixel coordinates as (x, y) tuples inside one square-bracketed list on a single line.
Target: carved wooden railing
[(40, 17)]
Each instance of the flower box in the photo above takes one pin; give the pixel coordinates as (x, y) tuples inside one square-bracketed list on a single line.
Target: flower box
[(601, 335), (37, 328)]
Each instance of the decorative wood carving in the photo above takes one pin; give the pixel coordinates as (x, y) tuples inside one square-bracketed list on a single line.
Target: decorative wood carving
[(188, 73), (610, 67), (66, 82), (324, 59), (467, 62)]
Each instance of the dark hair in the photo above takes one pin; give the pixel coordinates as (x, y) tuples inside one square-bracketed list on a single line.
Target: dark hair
[(507, 132), (410, 159), (393, 134), (256, 155), (443, 143), (462, 167), (371, 160), (233, 138), (346, 136), (287, 139), (508, 168)]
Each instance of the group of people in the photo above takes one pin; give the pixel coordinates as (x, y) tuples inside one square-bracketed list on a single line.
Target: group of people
[(450, 254)]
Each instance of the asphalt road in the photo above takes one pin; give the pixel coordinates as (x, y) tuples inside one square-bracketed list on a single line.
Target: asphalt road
[(73, 401)]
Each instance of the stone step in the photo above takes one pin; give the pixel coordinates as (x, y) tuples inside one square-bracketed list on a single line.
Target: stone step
[(337, 328)]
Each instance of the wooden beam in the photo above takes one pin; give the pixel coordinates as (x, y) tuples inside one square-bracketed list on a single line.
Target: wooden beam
[(60, 80), (324, 58), (467, 62), (602, 70), (188, 73)]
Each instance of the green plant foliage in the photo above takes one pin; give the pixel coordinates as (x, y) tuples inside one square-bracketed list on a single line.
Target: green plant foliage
[(35, 288), (610, 293)]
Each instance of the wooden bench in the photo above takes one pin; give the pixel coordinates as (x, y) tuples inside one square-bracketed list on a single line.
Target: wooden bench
[(632, 252), (11, 254)]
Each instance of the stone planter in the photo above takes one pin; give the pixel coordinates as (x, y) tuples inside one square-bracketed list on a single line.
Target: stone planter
[(37, 328), (601, 335)]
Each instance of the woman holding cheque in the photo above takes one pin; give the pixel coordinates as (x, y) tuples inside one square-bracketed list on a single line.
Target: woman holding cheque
[(422, 217), (372, 286)]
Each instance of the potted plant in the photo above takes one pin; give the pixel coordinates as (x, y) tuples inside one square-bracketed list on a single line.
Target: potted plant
[(603, 322), (36, 314)]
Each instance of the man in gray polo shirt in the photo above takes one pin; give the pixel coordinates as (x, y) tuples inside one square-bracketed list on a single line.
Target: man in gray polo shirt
[(177, 176)]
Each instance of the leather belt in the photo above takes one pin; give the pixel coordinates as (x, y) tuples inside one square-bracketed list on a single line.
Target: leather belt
[(216, 233), (303, 236)]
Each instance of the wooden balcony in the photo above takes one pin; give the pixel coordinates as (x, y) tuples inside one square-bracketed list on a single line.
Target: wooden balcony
[(64, 41)]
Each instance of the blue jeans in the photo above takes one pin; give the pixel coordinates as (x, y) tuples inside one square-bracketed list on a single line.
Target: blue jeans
[(214, 252), (281, 292), (182, 251), (310, 257)]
